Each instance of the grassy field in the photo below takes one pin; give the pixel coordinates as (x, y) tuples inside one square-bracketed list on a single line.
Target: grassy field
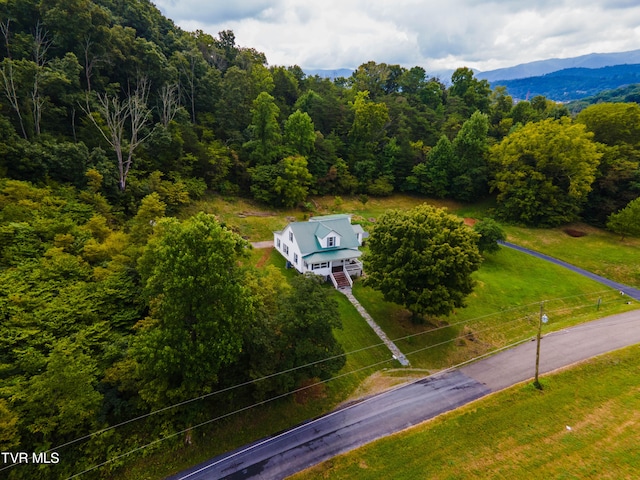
[(255, 223), (584, 424), (598, 251), (503, 309)]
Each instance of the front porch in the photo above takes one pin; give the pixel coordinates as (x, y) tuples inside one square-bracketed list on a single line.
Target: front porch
[(342, 273), (339, 267)]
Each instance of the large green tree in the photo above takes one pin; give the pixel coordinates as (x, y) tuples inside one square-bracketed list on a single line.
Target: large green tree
[(468, 171), (544, 171), (198, 306), (307, 317), (617, 127), (284, 184), (299, 133), (456, 169), (431, 177), (292, 186), (367, 137), (423, 259), (265, 130), (291, 333), (473, 92)]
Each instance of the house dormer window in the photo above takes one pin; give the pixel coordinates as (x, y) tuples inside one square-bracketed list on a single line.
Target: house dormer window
[(331, 241)]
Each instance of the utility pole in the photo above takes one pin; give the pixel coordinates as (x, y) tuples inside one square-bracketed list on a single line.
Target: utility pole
[(542, 319)]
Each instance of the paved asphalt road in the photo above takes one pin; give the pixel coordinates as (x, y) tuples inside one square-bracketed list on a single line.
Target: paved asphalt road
[(375, 417)]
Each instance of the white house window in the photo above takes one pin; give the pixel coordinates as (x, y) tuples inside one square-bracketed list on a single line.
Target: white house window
[(331, 242), (317, 266), (291, 236), (286, 249), (278, 243), (295, 258)]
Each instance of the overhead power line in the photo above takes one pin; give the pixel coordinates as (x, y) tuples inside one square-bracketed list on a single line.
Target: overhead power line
[(510, 323), (266, 377)]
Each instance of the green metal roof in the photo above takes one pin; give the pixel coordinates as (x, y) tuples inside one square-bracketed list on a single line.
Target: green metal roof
[(358, 229), (307, 234), (332, 255), (322, 231)]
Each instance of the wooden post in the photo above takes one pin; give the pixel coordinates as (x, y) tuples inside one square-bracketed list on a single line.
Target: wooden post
[(536, 382)]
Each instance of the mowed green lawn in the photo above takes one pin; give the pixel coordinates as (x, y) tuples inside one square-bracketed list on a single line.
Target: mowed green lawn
[(504, 308), (598, 251), (585, 423)]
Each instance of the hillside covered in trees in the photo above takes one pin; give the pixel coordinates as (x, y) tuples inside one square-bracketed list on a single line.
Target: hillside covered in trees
[(112, 120), (118, 90), (572, 84)]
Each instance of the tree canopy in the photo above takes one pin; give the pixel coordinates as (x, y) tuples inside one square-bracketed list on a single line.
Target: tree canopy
[(190, 275), (423, 259), (626, 222), (617, 128), (543, 172)]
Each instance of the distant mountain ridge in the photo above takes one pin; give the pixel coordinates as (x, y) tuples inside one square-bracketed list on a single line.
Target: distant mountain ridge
[(572, 83), (443, 75), (559, 79), (543, 67), (330, 73)]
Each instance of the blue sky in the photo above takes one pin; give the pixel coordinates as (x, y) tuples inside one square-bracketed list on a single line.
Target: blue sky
[(435, 34)]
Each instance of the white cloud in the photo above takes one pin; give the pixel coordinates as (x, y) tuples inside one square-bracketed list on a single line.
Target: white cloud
[(213, 12), (434, 34)]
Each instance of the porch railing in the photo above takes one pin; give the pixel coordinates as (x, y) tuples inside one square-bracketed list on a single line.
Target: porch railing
[(353, 268), (346, 274)]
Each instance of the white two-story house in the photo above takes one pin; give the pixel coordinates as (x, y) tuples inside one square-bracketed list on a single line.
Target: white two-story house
[(327, 246)]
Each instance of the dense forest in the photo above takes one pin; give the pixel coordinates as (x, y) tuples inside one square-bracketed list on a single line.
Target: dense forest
[(626, 94), (112, 119)]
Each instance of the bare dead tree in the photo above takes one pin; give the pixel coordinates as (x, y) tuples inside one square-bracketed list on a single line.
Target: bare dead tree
[(8, 83), (4, 30), (189, 73), (91, 60), (124, 122), (8, 78), (41, 44), (169, 103)]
